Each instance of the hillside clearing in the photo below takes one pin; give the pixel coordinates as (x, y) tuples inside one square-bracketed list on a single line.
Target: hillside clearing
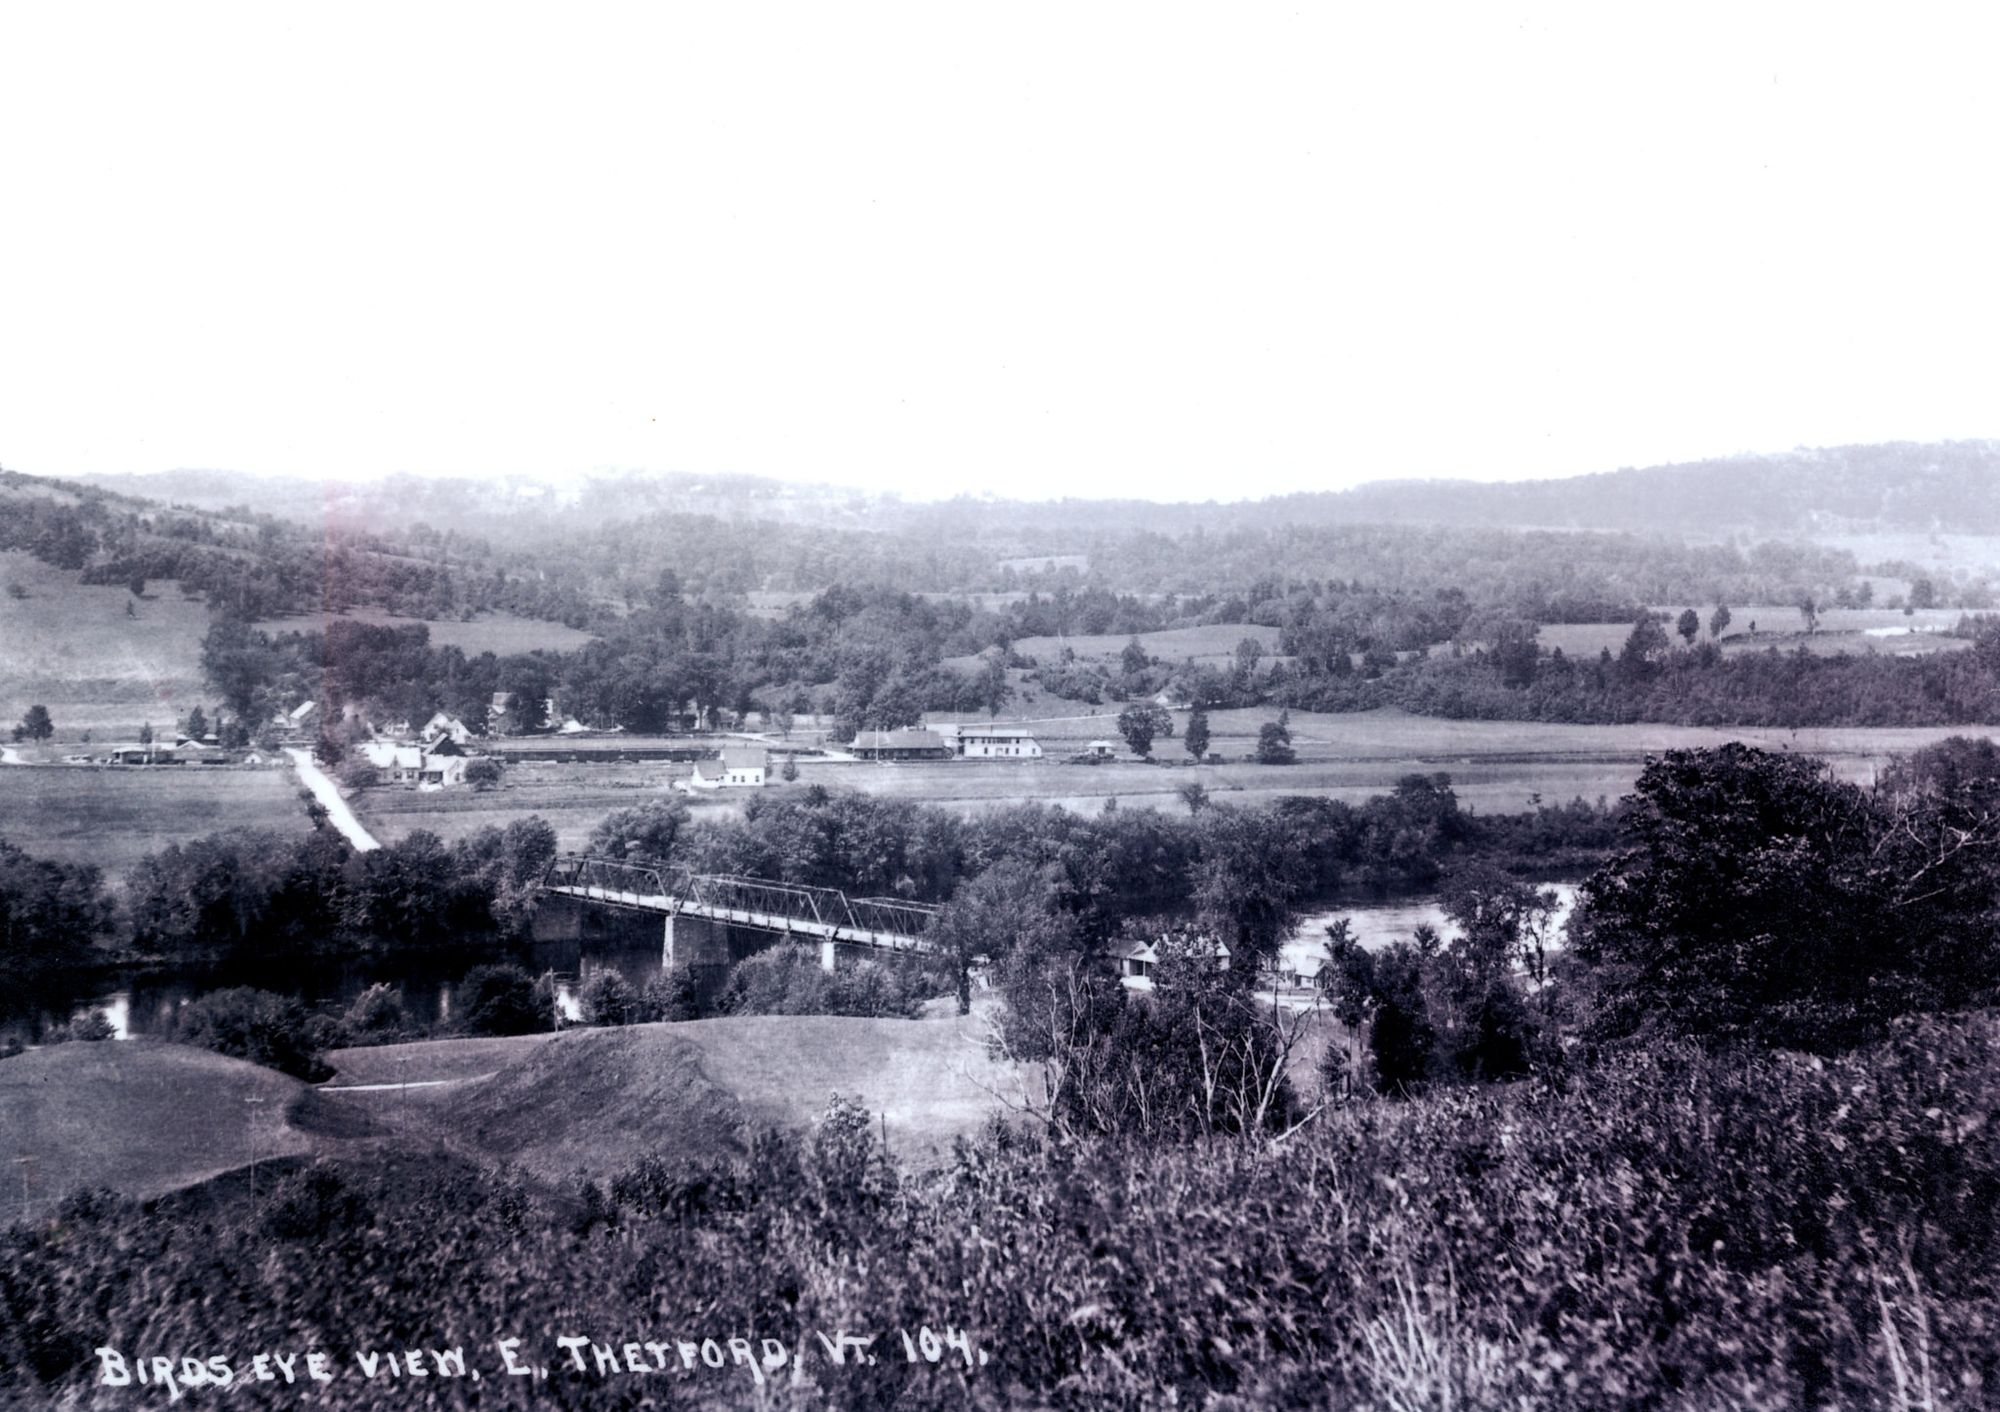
[(499, 633), (74, 648), (594, 1100), (138, 1117)]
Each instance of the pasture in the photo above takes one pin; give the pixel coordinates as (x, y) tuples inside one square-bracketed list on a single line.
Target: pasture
[(1758, 627), (571, 795), (1495, 767), (75, 649), (1214, 644), (596, 1100), (113, 816), (144, 1118), (139, 1117), (502, 634)]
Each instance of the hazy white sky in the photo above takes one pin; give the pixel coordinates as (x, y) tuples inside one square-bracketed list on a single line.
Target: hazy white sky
[(1038, 249)]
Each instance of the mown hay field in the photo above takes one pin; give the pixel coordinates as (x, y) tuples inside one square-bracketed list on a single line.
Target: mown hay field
[(1495, 767), (75, 649), (498, 633), (112, 816), (1214, 643)]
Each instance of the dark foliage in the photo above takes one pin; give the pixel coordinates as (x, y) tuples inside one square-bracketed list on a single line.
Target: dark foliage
[(500, 1000), (266, 1029), (1672, 1230), (1761, 901)]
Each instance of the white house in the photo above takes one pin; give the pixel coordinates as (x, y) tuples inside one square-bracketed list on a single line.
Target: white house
[(1137, 961), (990, 742), (295, 719), (445, 727), (741, 767), (432, 767)]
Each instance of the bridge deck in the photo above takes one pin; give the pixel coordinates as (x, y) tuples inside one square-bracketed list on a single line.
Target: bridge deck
[(668, 905)]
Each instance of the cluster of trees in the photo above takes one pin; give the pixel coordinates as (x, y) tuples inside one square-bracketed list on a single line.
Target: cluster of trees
[(50, 914), (240, 891), (1233, 864), (1652, 679)]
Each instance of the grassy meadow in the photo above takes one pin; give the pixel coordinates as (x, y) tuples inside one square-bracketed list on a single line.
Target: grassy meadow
[(75, 649), (137, 1117), (142, 1117), (499, 633), (112, 817), (1214, 644), (1495, 767), (1779, 625)]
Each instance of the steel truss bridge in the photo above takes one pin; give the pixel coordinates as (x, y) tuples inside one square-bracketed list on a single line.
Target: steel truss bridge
[(787, 909)]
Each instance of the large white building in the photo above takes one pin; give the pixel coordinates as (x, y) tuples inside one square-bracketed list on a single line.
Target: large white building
[(741, 767), (990, 742)]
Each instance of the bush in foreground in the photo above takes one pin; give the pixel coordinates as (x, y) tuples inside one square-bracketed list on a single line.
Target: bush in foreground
[(1677, 1230)]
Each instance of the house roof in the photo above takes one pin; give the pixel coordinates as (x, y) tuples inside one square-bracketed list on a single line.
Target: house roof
[(303, 709), (905, 739), (745, 757)]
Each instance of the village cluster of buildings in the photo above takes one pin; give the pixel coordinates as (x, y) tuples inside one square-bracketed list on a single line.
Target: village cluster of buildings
[(946, 742)]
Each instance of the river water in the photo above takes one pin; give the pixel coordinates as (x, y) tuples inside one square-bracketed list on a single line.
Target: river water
[(145, 1003)]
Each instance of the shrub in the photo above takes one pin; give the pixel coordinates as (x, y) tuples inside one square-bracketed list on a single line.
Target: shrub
[(267, 1029), (92, 1027), (377, 1013), (670, 995), (356, 773), (788, 980), (607, 998), (499, 1000)]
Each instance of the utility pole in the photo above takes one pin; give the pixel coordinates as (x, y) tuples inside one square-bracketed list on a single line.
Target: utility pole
[(256, 1143)]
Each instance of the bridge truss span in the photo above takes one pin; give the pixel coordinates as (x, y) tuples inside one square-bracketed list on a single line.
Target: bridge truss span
[(786, 909)]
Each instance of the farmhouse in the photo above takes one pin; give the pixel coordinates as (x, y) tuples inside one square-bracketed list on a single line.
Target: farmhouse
[(741, 767), (977, 742), (445, 727), (1138, 960), (901, 745), (433, 767)]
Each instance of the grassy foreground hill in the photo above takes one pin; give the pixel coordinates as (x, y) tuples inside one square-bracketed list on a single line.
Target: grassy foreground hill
[(141, 1118)]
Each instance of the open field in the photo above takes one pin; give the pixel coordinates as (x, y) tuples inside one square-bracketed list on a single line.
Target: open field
[(571, 796), (74, 649), (1852, 630), (1976, 553), (598, 1099), (1495, 766), (143, 1117), (113, 816), (138, 1117), (498, 633), (1213, 644)]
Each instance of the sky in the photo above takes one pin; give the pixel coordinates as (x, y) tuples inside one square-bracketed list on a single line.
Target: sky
[(1167, 251)]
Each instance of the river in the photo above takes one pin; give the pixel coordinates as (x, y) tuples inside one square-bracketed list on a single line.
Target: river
[(145, 1003)]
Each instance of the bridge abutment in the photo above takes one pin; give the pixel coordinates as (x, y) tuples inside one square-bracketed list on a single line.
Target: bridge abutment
[(696, 943)]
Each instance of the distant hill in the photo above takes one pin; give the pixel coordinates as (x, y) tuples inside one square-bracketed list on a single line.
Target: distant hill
[(1894, 486)]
